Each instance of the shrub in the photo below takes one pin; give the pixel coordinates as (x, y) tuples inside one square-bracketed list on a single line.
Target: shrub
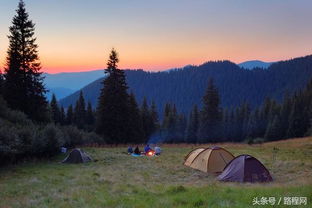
[(26, 136), (92, 137), (73, 137), (15, 117), (255, 141), (9, 144), (48, 141)]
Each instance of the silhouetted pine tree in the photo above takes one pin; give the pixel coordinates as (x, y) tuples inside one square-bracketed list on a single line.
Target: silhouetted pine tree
[(70, 115), (167, 112), (246, 115), (55, 110), (193, 125), (62, 116), (112, 119), (1, 83), (135, 132), (264, 115), (274, 130), (242, 119), (284, 115), (90, 115), (253, 130), (309, 132), (147, 120), (299, 117), (210, 125), (24, 89), (180, 129), (225, 123), (154, 116), (231, 125), (172, 125), (80, 113)]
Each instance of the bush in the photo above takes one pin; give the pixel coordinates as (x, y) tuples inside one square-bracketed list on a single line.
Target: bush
[(73, 137), (9, 144), (92, 137), (48, 141), (20, 138), (255, 140), (15, 117), (26, 136)]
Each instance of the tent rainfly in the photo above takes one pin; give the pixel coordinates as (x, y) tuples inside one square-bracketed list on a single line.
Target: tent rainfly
[(209, 160), (245, 168), (77, 156)]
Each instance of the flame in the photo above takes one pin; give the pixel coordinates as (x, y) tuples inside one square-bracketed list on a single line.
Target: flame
[(150, 153)]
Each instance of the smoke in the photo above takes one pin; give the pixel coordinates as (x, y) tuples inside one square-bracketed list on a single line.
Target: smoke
[(156, 138)]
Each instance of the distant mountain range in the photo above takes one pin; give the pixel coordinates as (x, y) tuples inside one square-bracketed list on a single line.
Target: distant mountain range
[(64, 84), (185, 87), (255, 64)]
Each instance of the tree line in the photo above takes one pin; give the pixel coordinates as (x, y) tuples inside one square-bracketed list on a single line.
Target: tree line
[(186, 87), (211, 123)]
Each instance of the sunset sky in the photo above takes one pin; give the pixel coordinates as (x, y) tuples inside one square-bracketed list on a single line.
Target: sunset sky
[(77, 35)]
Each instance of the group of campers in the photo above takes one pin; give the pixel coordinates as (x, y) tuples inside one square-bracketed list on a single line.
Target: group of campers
[(147, 150)]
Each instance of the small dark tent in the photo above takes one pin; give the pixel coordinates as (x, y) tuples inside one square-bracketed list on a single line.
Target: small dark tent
[(77, 156), (245, 168)]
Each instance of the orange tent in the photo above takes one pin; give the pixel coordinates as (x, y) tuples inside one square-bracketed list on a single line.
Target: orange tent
[(210, 160)]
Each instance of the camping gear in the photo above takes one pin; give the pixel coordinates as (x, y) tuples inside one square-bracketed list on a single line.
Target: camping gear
[(136, 155), (212, 160), (245, 168), (77, 156), (63, 149)]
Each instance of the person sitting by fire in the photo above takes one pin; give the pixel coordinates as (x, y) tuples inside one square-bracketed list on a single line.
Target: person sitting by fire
[(147, 149), (137, 151), (130, 150), (157, 150)]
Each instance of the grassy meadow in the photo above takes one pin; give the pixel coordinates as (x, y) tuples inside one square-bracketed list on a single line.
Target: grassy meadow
[(119, 180)]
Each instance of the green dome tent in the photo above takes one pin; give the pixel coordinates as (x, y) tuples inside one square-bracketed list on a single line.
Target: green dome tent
[(77, 156)]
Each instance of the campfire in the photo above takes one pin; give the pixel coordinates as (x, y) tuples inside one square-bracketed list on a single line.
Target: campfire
[(150, 153)]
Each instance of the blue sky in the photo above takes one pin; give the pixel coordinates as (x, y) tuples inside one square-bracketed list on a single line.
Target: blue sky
[(76, 35)]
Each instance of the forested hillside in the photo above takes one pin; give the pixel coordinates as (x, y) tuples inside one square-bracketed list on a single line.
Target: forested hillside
[(186, 87)]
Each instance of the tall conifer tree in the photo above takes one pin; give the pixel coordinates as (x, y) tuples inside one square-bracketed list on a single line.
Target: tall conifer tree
[(112, 119), (80, 112), (136, 133), (193, 125), (146, 119), (55, 110), (70, 115), (210, 126), (24, 88), (1, 83), (90, 115), (154, 116), (62, 116)]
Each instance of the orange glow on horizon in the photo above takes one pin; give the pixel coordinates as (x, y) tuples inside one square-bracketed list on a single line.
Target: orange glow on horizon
[(161, 35)]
